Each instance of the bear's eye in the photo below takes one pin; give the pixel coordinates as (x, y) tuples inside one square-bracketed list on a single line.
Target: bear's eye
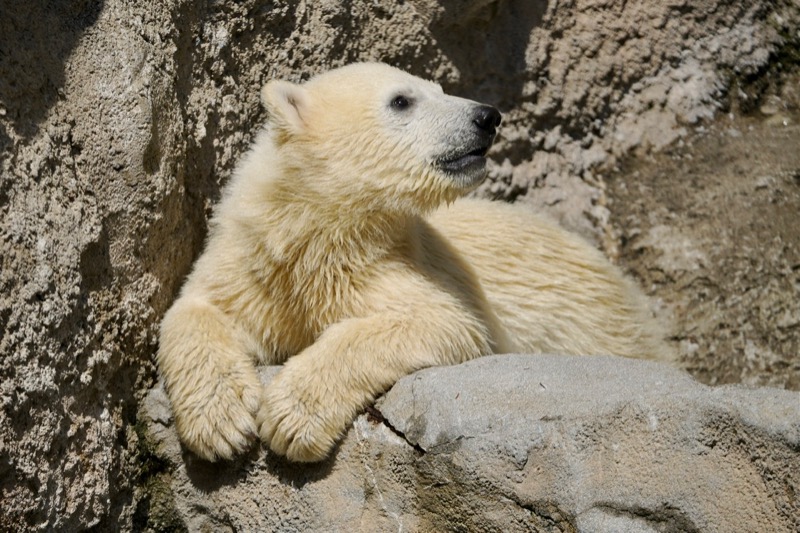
[(400, 102)]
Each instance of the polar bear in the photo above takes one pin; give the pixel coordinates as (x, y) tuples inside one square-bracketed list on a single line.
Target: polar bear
[(341, 249)]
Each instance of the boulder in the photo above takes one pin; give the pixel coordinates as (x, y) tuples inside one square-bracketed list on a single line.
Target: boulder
[(513, 443)]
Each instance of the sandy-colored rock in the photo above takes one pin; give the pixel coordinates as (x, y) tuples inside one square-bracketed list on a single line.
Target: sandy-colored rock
[(710, 226), (518, 443), (120, 122)]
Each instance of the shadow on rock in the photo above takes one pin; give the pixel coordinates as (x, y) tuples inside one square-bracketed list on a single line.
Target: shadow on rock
[(43, 34), (298, 475), (209, 477)]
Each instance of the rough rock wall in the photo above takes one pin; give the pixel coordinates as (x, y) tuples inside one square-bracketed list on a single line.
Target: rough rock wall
[(120, 120), (710, 226)]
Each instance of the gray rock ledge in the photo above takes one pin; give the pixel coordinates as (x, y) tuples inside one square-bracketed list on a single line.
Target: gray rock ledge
[(512, 443)]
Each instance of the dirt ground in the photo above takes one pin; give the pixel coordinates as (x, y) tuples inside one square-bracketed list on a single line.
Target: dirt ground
[(711, 228)]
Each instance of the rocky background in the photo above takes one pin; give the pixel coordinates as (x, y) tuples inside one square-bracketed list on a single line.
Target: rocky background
[(664, 131)]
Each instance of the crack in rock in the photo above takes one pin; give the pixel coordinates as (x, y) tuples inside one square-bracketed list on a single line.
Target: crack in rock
[(374, 415)]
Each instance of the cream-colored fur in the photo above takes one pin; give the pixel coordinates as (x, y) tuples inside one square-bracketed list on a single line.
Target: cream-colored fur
[(338, 250)]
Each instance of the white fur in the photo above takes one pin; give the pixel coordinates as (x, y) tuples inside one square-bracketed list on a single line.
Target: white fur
[(327, 254)]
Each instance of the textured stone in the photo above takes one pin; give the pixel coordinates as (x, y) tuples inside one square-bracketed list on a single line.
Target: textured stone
[(520, 443), (710, 227)]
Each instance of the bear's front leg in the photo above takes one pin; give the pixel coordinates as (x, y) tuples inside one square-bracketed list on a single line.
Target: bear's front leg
[(211, 382), (311, 402)]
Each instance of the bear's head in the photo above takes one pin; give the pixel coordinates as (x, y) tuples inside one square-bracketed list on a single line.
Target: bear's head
[(371, 137)]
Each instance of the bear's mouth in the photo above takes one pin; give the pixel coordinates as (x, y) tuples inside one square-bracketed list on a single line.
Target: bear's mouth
[(463, 162)]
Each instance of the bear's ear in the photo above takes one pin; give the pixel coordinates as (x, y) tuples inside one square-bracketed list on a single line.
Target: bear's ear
[(286, 103)]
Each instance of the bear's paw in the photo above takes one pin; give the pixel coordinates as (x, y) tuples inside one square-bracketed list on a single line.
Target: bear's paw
[(299, 419), (218, 419)]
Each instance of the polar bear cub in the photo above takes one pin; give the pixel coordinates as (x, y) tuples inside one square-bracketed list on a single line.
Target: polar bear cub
[(340, 250)]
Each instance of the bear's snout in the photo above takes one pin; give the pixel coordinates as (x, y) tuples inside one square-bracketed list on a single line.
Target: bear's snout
[(486, 118)]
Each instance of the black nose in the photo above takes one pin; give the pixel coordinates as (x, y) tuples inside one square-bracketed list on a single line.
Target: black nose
[(487, 118)]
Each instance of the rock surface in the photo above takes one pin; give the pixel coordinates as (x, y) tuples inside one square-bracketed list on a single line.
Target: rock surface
[(120, 121), (515, 443), (710, 226)]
